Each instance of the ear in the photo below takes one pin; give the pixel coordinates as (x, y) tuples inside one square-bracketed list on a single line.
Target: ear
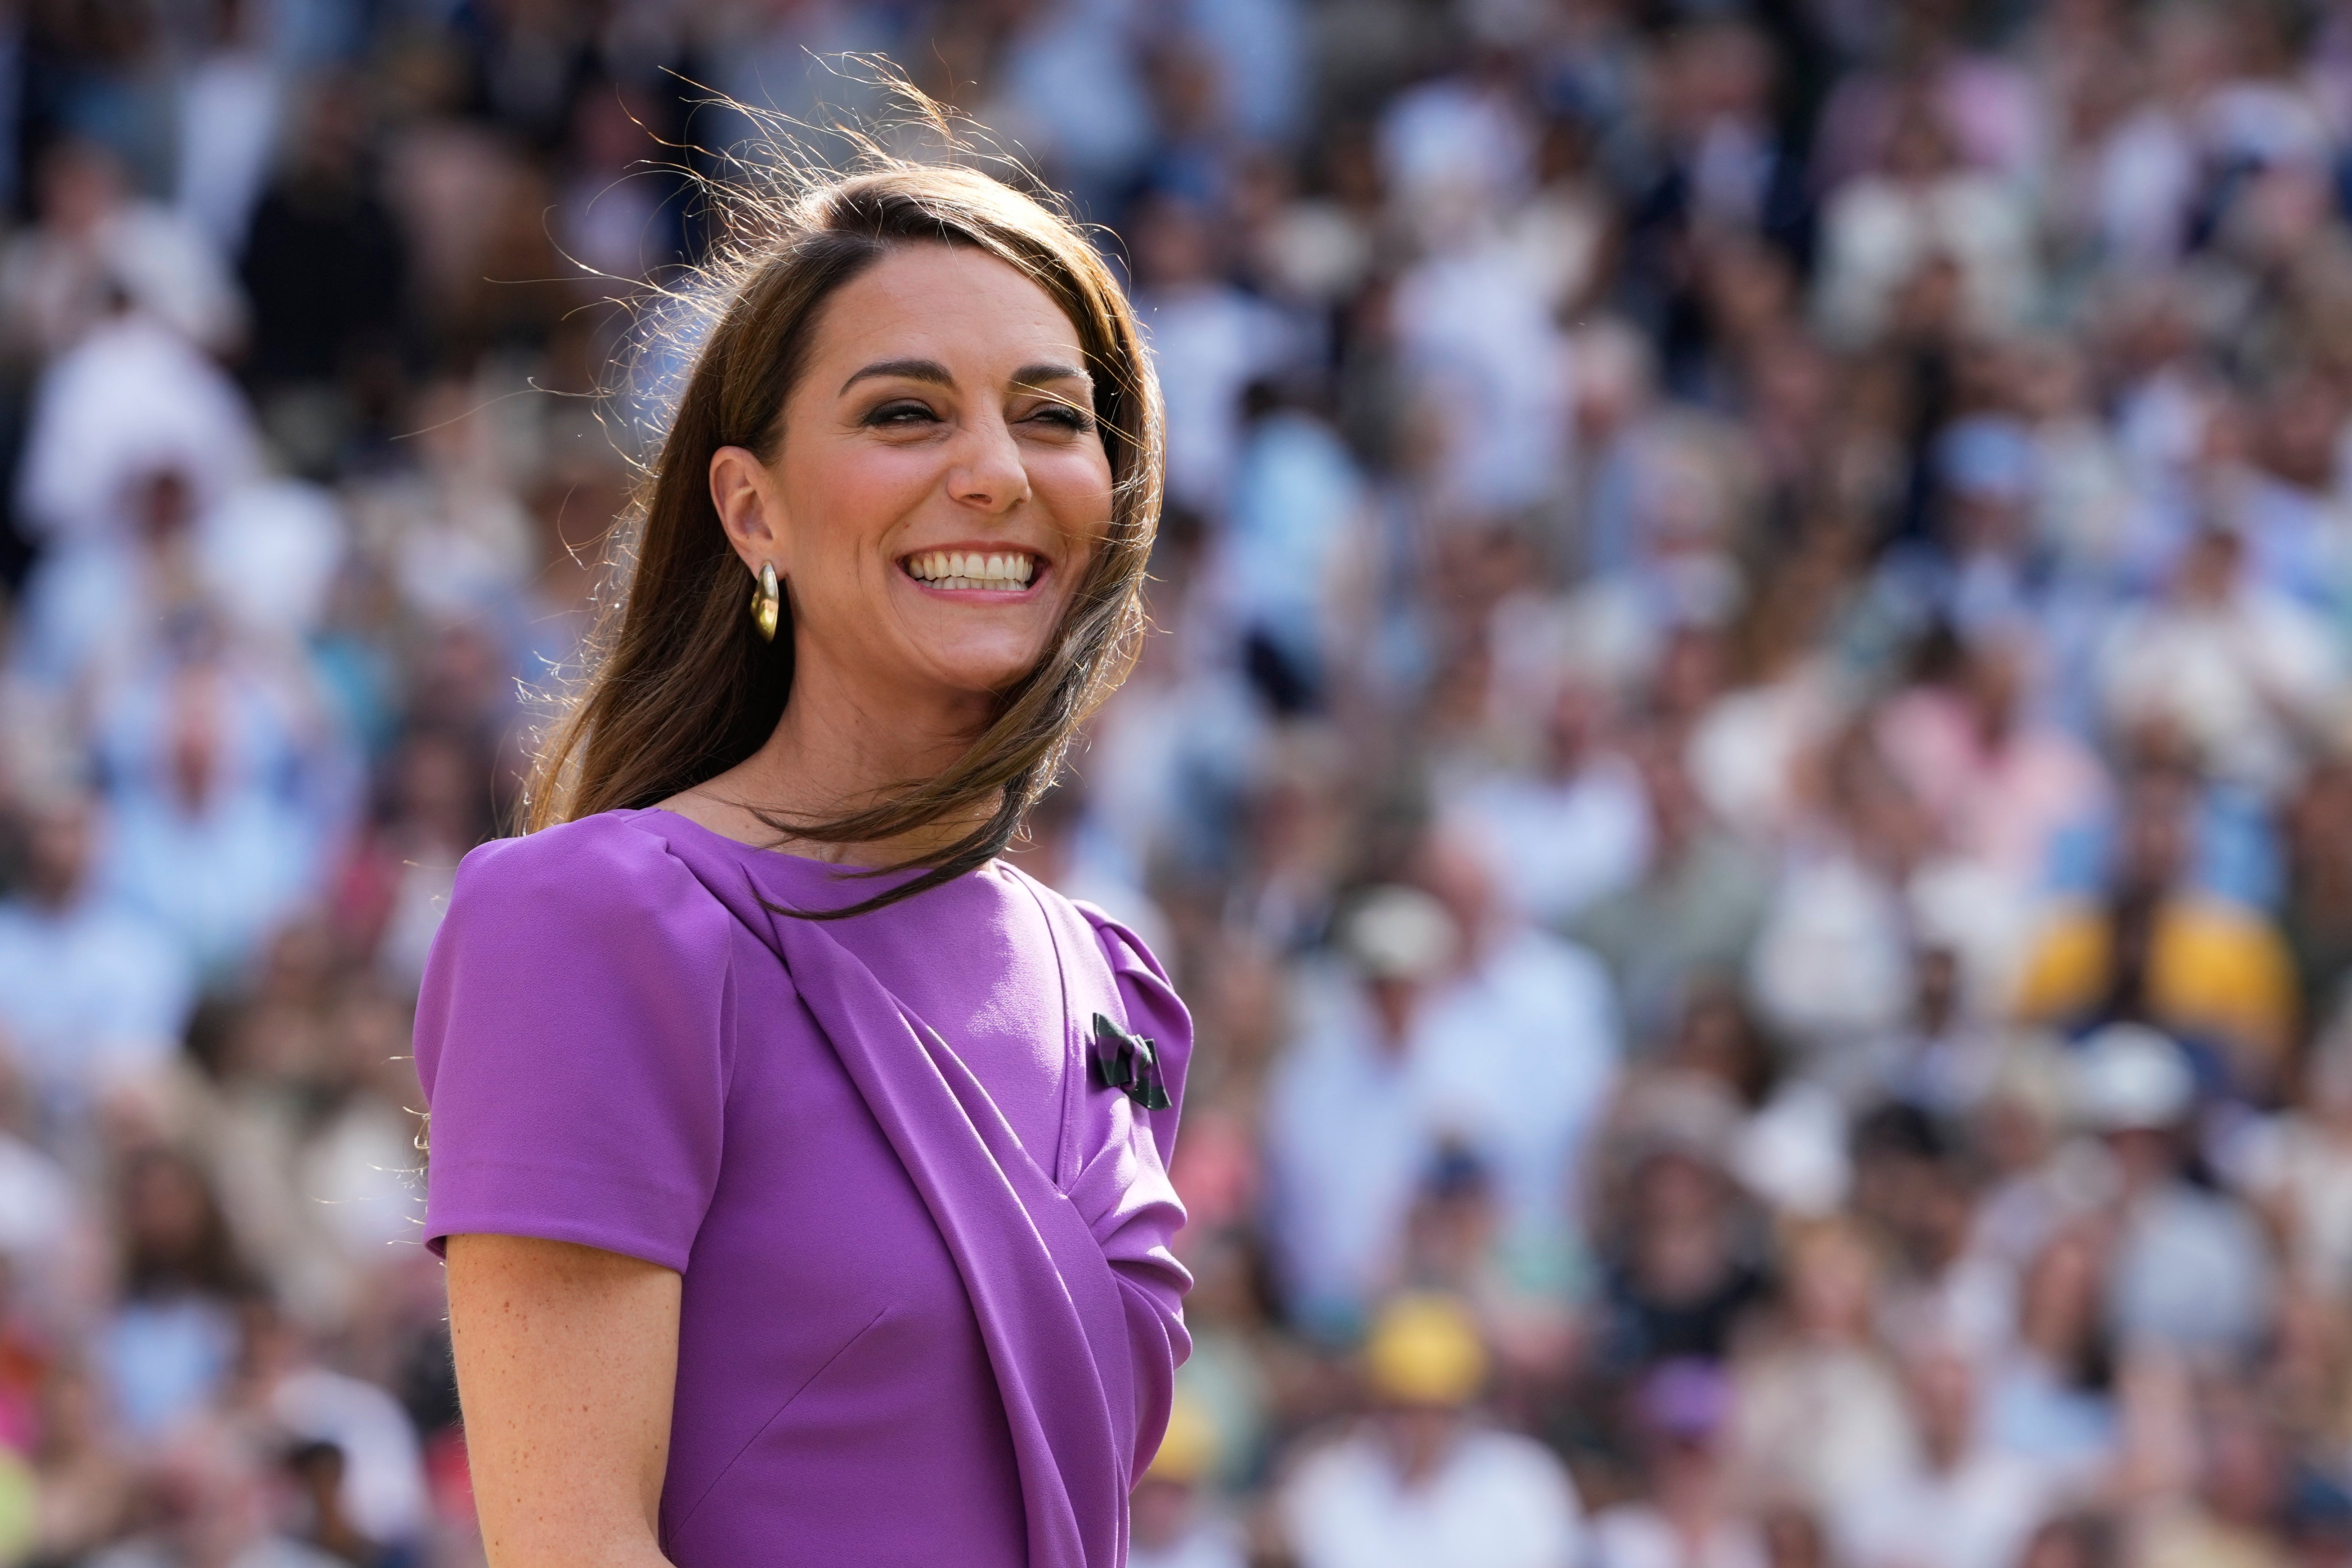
[(743, 492)]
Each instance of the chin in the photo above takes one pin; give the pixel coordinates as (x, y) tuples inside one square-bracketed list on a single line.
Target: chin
[(978, 670)]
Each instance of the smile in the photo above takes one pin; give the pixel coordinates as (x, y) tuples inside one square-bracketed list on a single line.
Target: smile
[(970, 571)]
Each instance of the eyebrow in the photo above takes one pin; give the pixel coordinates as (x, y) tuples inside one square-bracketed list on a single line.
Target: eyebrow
[(928, 369), (1038, 374), (937, 374)]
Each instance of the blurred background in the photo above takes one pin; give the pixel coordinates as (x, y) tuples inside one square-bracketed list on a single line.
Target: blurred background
[(1747, 764)]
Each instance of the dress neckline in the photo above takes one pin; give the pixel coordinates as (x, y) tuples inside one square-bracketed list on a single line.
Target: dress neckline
[(804, 873)]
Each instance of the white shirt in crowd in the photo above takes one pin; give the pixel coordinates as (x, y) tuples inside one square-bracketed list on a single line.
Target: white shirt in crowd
[(1556, 845), (1214, 1541), (1976, 1515), (1497, 1500), (88, 992), (1635, 1535), (1514, 1060)]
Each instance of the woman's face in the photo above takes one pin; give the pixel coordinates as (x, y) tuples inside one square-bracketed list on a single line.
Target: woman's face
[(941, 486)]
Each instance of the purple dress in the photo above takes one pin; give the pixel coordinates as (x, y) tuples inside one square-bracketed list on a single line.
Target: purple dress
[(929, 1310)]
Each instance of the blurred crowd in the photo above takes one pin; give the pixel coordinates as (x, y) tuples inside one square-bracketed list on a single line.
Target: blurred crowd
[(1747, 762)]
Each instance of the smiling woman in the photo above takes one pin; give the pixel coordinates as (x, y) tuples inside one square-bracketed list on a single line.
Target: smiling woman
[(958, 357), (789, 1208)]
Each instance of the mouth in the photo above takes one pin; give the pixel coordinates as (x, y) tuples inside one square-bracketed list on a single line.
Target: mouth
[(977, 573)]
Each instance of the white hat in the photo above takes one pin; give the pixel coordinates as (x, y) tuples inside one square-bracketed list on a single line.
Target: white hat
[(2128, 1075), (1400, 933)]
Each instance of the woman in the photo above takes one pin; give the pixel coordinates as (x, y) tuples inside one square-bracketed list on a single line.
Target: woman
[(800, 1165)]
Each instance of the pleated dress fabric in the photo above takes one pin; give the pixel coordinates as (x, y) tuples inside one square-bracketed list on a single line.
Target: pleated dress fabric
[(930, 1309)]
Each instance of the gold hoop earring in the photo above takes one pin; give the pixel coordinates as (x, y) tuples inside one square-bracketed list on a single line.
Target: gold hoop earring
[(768, 602)]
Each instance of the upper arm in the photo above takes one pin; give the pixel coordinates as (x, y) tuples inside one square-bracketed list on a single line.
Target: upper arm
[(1140, 1248), (573, 1040), (1153, 1010), (567, 1363)]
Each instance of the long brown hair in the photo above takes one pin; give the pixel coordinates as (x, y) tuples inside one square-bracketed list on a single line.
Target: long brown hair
[(679, 686)]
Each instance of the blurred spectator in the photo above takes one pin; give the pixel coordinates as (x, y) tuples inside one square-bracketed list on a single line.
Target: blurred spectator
[(325, 265), (218, 858), (85, 1478), (2050, 1398), (1339, 1201), (130, 397), (2238, 666), (2233, 1513), (211, 1503), (97, 248), (2161, 952), (2002, 781), (1418, 1479), (1962, 1504), (354, 1449), (1921, 207), (1570, 829), (90, 989), (1688, 1512), (1462, 1027), (1690, 919), (1209, 339), (1819, 1415), (1174, 1525), (2187, 1269), (172, 1343), (1682, 1268), (2298, 1168)]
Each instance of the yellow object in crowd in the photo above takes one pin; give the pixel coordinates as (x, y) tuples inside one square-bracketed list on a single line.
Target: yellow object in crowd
[(2216, 972), (1425, 1350), (1189, 1450)]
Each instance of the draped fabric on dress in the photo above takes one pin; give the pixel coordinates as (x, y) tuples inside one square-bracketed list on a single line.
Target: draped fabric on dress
[(1077, 1298)]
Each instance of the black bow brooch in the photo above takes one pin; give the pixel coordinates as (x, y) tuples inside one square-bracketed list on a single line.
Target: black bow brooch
[(1127, 1062)]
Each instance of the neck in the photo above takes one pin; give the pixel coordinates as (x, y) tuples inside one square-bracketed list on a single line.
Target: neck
[(840, 746)]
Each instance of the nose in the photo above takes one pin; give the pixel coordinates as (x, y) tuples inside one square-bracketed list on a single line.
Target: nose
[(989, 472)]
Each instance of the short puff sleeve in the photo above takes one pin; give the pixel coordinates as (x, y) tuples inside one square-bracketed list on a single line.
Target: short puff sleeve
[(1154, 1011), (1141, 1246), (573, 1039)]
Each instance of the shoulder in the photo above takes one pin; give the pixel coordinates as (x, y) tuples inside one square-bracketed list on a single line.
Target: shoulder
[(1512, 1460), (1120, 945), (1153, 1008), (2208, 918), (570, 960), (591, 847), (600, 881), (1538, 957), (1331, 1463)]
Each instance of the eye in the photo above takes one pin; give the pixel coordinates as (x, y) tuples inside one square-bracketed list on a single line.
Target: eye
[(902, 413), (1064, 417)]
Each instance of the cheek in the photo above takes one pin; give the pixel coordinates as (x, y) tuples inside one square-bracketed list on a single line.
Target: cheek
[(1076, 488), (843, 505)]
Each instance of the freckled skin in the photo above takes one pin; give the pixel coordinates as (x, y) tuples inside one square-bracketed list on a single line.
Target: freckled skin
[(566, 1357)]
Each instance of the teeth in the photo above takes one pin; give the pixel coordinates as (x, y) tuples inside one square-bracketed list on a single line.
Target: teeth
[(972, 569)]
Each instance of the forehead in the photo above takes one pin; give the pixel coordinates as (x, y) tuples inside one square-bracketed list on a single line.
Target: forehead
[(964, 307)]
